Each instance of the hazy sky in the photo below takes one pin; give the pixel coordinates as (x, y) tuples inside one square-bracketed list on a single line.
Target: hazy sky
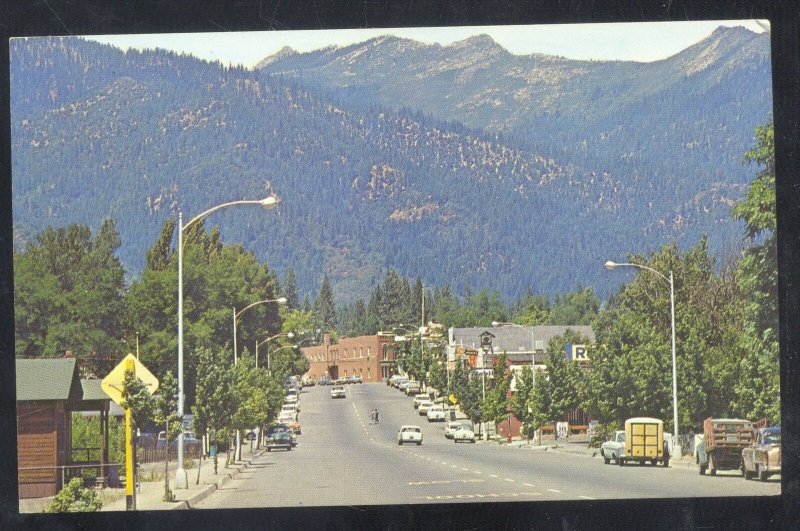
[(648, 41)]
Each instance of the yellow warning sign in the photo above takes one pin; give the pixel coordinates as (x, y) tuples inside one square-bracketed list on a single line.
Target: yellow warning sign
[(114, 383)]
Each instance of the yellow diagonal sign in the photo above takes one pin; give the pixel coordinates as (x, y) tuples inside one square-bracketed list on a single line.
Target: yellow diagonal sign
[(114, 383), (453, 399)]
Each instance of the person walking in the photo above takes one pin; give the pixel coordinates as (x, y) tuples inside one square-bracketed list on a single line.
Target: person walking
[(376, 417)]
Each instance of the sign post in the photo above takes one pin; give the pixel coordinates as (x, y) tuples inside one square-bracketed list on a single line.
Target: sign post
[(114, 385)]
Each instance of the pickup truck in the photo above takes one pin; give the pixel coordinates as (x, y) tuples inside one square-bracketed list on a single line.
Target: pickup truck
[(613, 448), (763, 457)]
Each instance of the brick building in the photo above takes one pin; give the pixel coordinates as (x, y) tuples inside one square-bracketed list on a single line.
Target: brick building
[(370, 357)]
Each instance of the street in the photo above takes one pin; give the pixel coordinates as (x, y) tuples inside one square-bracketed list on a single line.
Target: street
[(342, 459)]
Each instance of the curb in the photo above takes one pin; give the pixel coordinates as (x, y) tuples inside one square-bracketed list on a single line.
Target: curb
[(218, 484)]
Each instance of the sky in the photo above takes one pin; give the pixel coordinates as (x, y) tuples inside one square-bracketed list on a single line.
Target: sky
[(647, 41)]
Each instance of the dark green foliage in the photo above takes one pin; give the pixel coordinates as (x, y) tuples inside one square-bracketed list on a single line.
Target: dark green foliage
[(324, 307), (367, 186)]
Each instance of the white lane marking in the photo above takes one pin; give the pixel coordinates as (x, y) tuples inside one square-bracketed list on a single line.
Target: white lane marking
[(493, 476), (507, 479), (586, 497), (477, 471), (554, 490), (527, 484), (465, 469), (453, 466)]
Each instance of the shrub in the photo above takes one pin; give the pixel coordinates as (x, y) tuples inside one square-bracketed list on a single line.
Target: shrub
[(75, 498)]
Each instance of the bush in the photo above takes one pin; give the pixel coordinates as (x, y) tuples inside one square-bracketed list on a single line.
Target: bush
[(602, 433), (75, 498)]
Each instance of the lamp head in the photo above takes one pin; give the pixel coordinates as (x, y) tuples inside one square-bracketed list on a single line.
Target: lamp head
[(611, 265), (282, 300), (290, 335), (270, 202)]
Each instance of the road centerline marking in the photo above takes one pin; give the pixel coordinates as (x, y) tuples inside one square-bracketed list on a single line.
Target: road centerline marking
[(554, 490), (586, 497)]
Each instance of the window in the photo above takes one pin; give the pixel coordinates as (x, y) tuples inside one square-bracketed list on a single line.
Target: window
[(539, 344)]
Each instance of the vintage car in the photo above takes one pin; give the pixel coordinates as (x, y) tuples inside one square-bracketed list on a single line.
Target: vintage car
[(614, 447), (763, 457), (337, 392), (436, 413), (279, 439), (409, 434), (453, 425), (464, 433)]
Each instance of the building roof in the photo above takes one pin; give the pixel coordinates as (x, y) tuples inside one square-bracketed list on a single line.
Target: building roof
[(48, 379), (514, 339), (92, 390)]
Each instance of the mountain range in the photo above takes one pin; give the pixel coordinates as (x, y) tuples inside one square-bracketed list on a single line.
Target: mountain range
[(460, 164)]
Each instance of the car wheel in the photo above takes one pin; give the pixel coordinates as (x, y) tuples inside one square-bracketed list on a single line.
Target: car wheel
[(743, 470), (400, 443), (606, 460), (652, 462), (666, 462), (762, 474), (711, 468), (620, 461), (419, 443), (702, 470), (269, 449)]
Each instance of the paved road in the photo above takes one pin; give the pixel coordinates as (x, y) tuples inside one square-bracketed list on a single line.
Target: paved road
[(342, 459)]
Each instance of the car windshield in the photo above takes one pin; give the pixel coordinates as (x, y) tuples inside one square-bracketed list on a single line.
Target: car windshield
[(415, 430), (772, 438)]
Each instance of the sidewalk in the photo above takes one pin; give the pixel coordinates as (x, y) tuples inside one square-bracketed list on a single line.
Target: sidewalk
[(149, 495)]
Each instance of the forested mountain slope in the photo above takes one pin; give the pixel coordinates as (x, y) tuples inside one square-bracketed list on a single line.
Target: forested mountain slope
[(100, 133)]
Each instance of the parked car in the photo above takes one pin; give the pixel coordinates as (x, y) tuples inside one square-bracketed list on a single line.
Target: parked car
[(354, 379), (614, 447), (424, 406), (436, 413), (295, 427), (418, 399), (409, 434), (189, 441), (290, 408), (412, 387), (338, 392), (464, 433), (279, 439), (453, 425), (763, 458), (325, 381), (398, 383), (284, 417), (285, 428)]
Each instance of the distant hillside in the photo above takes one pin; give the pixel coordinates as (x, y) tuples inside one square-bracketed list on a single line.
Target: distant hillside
[(365, 185)]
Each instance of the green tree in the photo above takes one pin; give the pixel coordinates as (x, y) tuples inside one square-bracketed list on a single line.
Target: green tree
[(579, 307), (520, 400), (324, 307), (532, 310), (495, 407), (75, 498), (289, 290)]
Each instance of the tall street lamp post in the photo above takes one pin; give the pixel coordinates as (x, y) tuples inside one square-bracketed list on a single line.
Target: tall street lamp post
[(181, 480), (533, 363), (676, 447), (290, 335), (236, 315)]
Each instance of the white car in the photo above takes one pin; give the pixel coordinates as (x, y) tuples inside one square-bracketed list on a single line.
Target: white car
[(338, 392), (464, 433), (613, 448), (409, 434), (290, 409), (424, 406), (436, 413), (420, 398), (285, 417), (453, 425)]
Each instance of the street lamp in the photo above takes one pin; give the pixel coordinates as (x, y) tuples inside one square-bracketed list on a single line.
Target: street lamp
[(281, 300), (274, 351), (533, 363), (610, 265), (290, 335), (181, 480)]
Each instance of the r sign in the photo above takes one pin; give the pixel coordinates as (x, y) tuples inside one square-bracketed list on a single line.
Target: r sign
[(577, 352)]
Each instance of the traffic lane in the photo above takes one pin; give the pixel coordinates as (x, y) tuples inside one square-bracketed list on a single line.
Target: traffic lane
[(577, 476)]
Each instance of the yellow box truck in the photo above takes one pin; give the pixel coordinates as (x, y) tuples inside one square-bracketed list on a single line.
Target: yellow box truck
[(644, 441)]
